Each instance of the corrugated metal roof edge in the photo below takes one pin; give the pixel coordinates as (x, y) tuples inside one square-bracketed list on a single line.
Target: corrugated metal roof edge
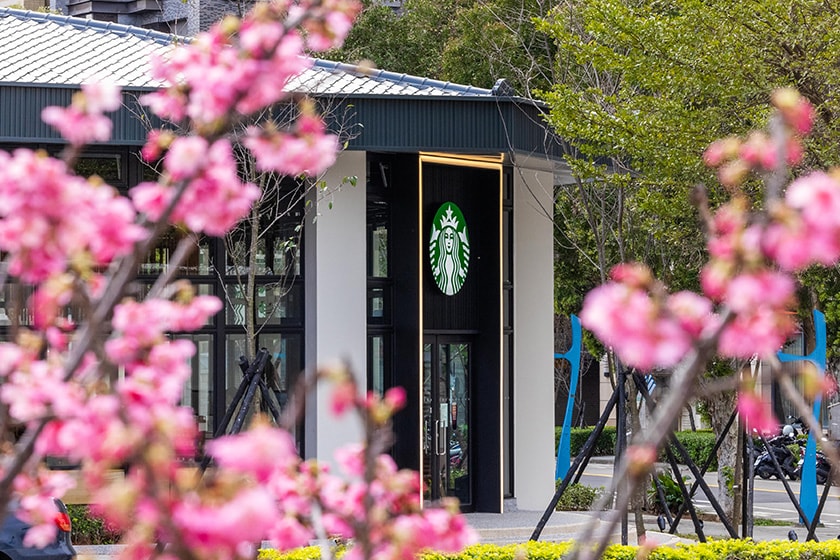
[(75, 87), (81, 23), (472, 92), (398, 78), (378, 96)]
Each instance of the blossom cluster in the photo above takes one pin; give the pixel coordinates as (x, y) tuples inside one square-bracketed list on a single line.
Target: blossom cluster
[(51, 219), (83, 122), (115, 403)]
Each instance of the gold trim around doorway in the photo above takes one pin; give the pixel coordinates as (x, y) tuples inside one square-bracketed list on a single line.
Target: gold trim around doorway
[(484, 162)]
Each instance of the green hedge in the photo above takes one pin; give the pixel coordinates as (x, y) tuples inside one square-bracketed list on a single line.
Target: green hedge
[(733, 549), (698, 444), (605, 445), (87, 528)]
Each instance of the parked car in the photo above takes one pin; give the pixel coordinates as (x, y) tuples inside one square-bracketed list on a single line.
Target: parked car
[(14, 529)]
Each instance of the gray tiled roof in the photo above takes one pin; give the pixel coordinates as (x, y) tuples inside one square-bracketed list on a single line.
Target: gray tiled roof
[(38, 48)]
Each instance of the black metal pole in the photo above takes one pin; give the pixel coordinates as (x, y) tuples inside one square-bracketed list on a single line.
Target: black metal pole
[(826, 488), (268, 399), (585, 452), (749, 488), (660, 495), (698, 474), (621, 442), (704, 485), (247, 372), (788, 489), (256, 372), (221, 429), (706, 465), (698, 524)]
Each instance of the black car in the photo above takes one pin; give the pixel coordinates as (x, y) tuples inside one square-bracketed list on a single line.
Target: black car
[(14, 529)]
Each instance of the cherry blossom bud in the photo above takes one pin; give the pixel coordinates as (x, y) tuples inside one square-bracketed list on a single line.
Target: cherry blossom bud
[(640, 459), (812, 380), (635, 275), (759, 151), (797, 111), (646, 546), (733, 173), (343, 397), (756, 412), (157, 141), (395, 398), (721, 151), (794, 151)]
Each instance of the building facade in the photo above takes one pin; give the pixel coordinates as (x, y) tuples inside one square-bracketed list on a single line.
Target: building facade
[(426, 263)]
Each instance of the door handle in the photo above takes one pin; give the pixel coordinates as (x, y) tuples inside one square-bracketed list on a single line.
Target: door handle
[(441, 431)]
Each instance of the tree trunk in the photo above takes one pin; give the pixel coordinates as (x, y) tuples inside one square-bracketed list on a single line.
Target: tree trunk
[(720, 408), (638, 499)]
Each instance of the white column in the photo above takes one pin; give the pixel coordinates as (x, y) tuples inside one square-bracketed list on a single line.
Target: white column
[(533, 284), (336, 309)]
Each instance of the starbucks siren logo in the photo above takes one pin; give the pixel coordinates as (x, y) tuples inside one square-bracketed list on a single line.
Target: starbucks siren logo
[(449, 249)]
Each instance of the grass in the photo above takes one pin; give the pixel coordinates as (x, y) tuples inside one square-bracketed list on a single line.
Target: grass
[(760, 522)]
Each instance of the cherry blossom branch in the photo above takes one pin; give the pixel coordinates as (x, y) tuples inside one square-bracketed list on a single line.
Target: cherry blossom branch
[(638, 460), (803, 409)]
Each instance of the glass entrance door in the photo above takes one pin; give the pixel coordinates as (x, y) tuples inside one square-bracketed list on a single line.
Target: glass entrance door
[(446, 417)]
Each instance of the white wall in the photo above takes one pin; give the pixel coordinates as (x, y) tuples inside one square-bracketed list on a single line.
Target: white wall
[(336, 326), (533, 284)]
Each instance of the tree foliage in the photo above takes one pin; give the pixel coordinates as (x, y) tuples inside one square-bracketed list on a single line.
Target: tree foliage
[(645, 86)]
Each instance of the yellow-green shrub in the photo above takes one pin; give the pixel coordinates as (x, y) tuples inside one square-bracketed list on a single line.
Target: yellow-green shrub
[(733, 549)]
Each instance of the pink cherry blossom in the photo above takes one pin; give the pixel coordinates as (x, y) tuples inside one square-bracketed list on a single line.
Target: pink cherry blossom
[(806, 230), (102, 96), (76, 126), (756, 412), (51, 217), (765, 288), (342, 398), (797, 111), (260, 451), (215, 199), (292, 154), (185, 157), (635, 325)]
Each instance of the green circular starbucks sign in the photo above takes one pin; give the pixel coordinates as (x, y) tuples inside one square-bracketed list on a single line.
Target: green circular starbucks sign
[(449, 249)]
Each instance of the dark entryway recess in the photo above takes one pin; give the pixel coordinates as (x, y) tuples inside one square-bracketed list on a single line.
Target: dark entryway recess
[(473, 312), (472, 316)]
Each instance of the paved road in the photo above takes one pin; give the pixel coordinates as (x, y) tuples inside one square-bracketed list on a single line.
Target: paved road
[(771, 501)]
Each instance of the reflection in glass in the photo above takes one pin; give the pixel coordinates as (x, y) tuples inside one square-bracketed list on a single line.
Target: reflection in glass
[(157, 261), (198, 391), (429, 462), (446, 409), (108, 167), (377, 364), (454, 369), (276, 256), (235, 346), (376, 303), (276, 304), (379, 252)]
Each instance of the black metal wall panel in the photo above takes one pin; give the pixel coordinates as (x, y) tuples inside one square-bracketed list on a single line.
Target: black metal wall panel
[(21, 107)]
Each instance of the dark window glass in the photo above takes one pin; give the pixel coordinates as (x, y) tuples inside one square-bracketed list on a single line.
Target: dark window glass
[(274, 304), (109, 167), (196, 263), (379, 363)]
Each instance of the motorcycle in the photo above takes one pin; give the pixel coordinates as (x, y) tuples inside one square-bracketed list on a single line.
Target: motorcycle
[(789, 463), (823, 467)]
